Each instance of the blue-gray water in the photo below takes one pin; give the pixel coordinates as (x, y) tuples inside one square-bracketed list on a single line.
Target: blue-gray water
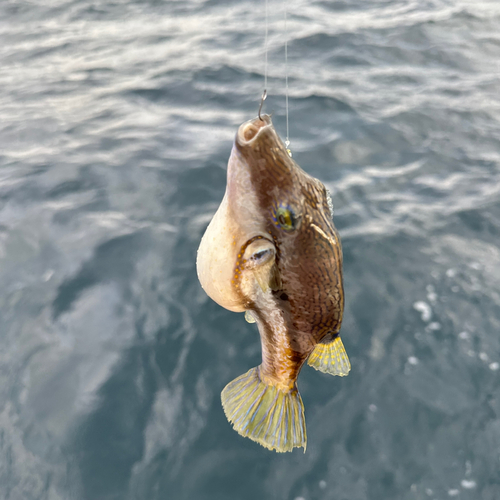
[(117, 120)]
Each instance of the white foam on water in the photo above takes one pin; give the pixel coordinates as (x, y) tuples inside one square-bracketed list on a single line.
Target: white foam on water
[(434, 326), (424, 309), (468, 484)]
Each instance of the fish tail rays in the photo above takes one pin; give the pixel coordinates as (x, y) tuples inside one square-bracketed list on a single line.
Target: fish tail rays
[(264, 413), (330, 358)]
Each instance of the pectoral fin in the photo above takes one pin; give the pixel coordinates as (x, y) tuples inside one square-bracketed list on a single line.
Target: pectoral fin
[(262, 278), (330, 358), (275, 278), (249, 317), (268, 277)]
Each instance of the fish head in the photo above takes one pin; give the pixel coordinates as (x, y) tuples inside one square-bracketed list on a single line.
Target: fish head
[(236, 247), (296, 213), (273, 234)]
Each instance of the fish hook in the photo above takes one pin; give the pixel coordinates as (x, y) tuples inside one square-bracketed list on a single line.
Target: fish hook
[(264, 95)]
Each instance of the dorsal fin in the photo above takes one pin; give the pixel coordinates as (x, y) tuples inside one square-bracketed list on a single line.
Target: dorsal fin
[(330, 357)]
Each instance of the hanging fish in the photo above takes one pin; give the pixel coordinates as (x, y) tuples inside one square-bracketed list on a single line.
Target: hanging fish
[(272, 251)]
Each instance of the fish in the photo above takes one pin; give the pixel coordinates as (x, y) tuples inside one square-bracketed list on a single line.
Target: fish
[(272, 251)]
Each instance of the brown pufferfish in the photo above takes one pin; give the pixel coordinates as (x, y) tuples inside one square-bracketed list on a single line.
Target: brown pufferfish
[(272, 251)]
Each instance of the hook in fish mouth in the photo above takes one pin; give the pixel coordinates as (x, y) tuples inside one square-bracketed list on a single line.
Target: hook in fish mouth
[(249, 130), (264, 95)]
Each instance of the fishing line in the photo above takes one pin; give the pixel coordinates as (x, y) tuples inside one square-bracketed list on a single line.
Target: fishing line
[(265, 49), (264, 93), (287, 142)]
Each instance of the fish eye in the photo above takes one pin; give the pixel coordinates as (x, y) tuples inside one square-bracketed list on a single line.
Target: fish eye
[(261, 255), (285, 218), (258, 253)]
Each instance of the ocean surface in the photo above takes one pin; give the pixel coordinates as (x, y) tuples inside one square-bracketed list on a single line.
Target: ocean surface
[(116, 122)]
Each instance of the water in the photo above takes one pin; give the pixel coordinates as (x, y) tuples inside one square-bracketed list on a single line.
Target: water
[(117, 120)]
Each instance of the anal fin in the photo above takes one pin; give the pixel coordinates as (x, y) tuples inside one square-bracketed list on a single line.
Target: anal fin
[(264, 413), (330, 358)]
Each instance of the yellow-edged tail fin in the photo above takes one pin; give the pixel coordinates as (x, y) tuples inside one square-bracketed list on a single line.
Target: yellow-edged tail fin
[(264, 413), (330, 358)]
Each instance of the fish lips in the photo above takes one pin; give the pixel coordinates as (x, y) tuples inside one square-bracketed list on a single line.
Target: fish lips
[(249, 132), (263, 154)]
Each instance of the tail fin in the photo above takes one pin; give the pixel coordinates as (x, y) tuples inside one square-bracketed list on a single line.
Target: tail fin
[(264, 413), (330, 358)]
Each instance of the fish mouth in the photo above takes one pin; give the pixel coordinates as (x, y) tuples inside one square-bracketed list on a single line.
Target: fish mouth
[(249, 131)]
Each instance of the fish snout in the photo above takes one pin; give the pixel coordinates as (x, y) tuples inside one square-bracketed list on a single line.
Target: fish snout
[(249, 130)]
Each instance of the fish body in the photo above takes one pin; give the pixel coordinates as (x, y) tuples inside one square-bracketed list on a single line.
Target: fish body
[(272, 251)]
